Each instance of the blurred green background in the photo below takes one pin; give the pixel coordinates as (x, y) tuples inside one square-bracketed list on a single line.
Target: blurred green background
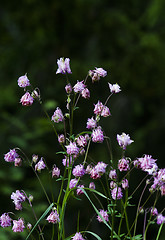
[(127, 38)]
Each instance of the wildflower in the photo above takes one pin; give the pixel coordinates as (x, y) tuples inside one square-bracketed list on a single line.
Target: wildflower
[(73, 183), (78, 171), (40, 165), (97, 135), (105, 112), (92, 185), (85, 93), (53, 217), (98, 108), (124, 140), (57, 115), (18, 226), (79, 86), (104, 215), (68, 88), (113, 174), (154, 211), (72, 149), (11, 155), (5, 220), (112, 184), (68, 160), (162, 189), (81, 141), (63, 66), (91, 123), (26, 99), (61, 138), (98, 170), (116, 193), (123, 164), (29, 226), (124, 183), (79, 191), (34, 158), (160, 219), (100, 71), (147, 162), (114, 88), (97, 73), (78, 236), (55, 172), (18, 162), (18, 197), (23, 81), (89, 169)]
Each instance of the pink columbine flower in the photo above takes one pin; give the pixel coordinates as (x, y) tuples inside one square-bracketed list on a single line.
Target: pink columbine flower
[(68, 88), (78, 236), (105, 112), (63, 66), (53, 217), (17, 162), (147, 163), (61, 138), (5, 220), (81, 141), (23, 81), (104, 215), (124, 140), (98, 170), (114, 88), (18, 226), (55, 172), (40, 165), (79, 191), (57, 115), (11, 155), (18, 197), (73, 183), (160, 219), (97, 135), (154, 211), (79, 86), (78, 171), (113, 174), (116, 193), (112, 184), (68, 161), (98, 108), (123, 164), (26, 99), (124, 184), (72, 149), (162, 189), (91, 123), (85, 93), (92, 185), (100, 71)]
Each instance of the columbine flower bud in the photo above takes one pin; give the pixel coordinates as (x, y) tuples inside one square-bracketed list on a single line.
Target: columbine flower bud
[(31, 198), (61, 138), (85, 93), (55, 172), (35, 158), (29, 226), (18, 162), (68, 88), (92, 185), (23, 81), (40, 165), (57, 116), (26, 99)]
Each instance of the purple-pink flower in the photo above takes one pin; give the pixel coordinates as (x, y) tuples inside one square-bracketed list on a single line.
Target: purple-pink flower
[(57, 115), (40, 165), (104, 215), (18, 226), (63, 66), (78, 170), (5, 220), (73, 183), (55, 172), (97, 135), (147, 163), (53, 217), (11, 155), (61, 138), (124, 140), (124, 183), (98, 108), (98, 170), (78, 236), (72, 149), (79, 86), (85, 93), (68, 88), (23, 81), (81, 141), (114, 88), (113, 174), (92, 185), (18, 197), (123, 164), (154, 211), (79, 191), (91, 123), (105, 112), (116, 193), (160, 219), (26, 99)]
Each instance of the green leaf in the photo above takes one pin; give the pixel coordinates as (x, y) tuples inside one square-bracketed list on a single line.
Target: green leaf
[(94, 234), (43, 216)]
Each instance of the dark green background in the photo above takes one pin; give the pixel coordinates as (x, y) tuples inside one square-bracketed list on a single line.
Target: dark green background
[(127, 38)]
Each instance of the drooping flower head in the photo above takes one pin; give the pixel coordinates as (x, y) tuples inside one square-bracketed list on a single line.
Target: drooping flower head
[(26, 99), (78, 236), (85, 93), (81, 141), (123, 165), (23, 81), (68, 88), (79, 87), (105, 112), (116, 193), (97, 73), (40, 165), (79, 190), (18, 197), (61, 138), (160, 219), (63, 66), (114, 88), (72, 149), (91, 123), (147, 163), (92, 185), (18, 226), (53, 217), (124, 140), (98, 108), (97, 135), (124, 183), (5, 220), (113, 174), (104, 215), (154, 211), (11, 155), (57, 115), (73, 183), (78, 170), (55, 172), (98, 170)]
